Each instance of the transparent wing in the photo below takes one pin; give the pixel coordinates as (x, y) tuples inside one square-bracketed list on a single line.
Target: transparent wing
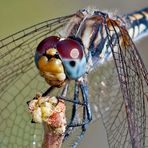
[(20, 81), (122, 86), (17, 50)]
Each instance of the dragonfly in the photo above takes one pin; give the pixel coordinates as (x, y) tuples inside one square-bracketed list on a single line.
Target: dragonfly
[(88, 56)]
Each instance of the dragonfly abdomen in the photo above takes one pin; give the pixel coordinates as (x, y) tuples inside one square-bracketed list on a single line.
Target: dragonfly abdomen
[(137, 23)]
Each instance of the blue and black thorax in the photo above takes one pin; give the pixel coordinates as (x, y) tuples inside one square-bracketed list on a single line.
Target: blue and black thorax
[(91, 28)]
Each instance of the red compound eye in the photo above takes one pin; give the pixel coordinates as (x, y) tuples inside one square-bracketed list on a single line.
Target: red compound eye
[(50, 42), (70, 49)]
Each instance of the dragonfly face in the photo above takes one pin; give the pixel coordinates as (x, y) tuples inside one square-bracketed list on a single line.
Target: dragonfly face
[(49, 63), (58, 59)]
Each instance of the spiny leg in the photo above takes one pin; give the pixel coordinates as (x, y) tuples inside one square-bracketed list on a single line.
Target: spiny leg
[(48, 91), (83, 86), (84, 90), (74, 109), (87, 116), (75, 105), (65, 90)]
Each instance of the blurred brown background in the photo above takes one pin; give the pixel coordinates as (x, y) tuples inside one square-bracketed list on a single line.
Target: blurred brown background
[(18, 14)]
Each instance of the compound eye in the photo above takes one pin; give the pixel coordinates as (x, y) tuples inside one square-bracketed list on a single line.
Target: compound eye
[(73, 58), (47, 43), (70, 49)]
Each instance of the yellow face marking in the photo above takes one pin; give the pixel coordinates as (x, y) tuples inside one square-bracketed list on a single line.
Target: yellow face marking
[(51, 51), (52, 69), (53, 65)]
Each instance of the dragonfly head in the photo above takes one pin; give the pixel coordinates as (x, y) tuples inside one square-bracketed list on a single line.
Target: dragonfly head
[(58, 59)]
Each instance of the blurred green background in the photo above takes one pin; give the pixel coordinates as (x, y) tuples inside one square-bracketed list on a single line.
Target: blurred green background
[(18, 14)]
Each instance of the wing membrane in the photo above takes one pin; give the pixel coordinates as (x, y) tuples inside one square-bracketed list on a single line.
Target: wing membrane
[(17, 50), (20, 81), (122, 101), (120, 83)]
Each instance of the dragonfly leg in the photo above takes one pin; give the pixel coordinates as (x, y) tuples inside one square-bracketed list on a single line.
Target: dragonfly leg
[(87, 116), (75, 105), (74, 110), (84, 90), (48, 91), (44, 94)]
